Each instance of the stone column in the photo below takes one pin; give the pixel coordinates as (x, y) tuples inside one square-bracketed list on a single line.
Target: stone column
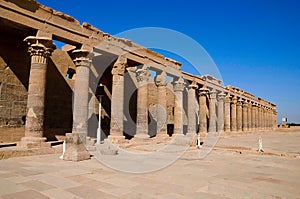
[(212, 112), (259, 112), (253, 118), (221, 114), (40, 49), (203, 109), (273, 119), (161, 83), (75, 142), (142, 103), (269, 119), (81, 91), (239, 114), (256, 117), (117, 101), (245, 116), (274, 122), (178, 112), (233, 119), (192, 119), (263, 118), (227, 113), (249, 116)]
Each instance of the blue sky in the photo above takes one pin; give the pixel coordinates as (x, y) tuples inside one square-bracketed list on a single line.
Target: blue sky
[(254, 43)]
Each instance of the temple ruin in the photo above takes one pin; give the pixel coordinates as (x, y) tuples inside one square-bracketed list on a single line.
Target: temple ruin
[(38, 86)]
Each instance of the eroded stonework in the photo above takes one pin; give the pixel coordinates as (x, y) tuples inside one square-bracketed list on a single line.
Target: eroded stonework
[(145, 95)]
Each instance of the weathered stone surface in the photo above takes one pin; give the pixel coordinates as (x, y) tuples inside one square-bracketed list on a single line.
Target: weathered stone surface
[(53, 78), (75, 148)]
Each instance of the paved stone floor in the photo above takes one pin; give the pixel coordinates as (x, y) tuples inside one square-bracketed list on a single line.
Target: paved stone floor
[(234, 169)]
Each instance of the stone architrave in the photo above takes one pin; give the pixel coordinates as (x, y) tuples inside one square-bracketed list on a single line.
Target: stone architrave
[(142, 76), (245, 116), (203, 92), (76, 141), (233, 118), (40, 49), (161, 83), (117, 100), (239, 114), (192, 107), (227, 113), (221, 97), (212, 112), (178, 110)]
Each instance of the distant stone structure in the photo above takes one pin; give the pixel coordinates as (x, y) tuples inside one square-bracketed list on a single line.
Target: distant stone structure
[(37, 81)]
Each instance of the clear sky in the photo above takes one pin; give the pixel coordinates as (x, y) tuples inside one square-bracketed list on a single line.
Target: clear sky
[(254, 43)]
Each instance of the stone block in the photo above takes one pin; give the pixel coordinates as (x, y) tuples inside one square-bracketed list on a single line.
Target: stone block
[(34, 142), (75, 148)]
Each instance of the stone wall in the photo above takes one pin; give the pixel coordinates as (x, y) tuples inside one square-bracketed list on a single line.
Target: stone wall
[(13, 97)]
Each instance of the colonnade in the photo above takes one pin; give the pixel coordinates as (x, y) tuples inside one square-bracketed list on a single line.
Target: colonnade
[(210, 108)]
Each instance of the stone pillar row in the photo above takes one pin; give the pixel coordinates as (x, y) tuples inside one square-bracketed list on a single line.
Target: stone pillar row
[(246, 115), (217, 111)]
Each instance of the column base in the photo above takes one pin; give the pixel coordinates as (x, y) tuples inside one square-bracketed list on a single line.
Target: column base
[(162, 137), (183, 140), (116, 139), (107, 148), (140, 137), (75, 148), (34, 142)]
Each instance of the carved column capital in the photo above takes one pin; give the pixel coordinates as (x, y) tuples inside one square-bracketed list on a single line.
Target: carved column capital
[(40, 48), (213, 94), (246, 104), (82, 58), (227, 98), (179, 84), (221, 96), (203, 91), (142, 75), (119, 67), (161, 79), (234, 100), (240, 102), (193, 86)]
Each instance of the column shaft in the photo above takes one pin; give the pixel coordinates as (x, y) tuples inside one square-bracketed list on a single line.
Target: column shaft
[(227, 113), (40, 49), (245, 116), (221, 114), (233, 115), (212, 112), (192, 107), (81, 92), (161, 83), (239, 115), (142, 103), (117, 100), (178, 112), (202, 110)]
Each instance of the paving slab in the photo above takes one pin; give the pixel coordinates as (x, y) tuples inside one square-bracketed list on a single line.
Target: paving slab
[(234, 169)]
